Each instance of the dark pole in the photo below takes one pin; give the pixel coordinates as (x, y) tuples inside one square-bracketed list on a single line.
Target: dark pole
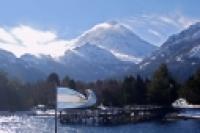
[(53, 79), (56, 113)]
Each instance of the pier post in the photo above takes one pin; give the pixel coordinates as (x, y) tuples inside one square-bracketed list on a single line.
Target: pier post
[(56, 128), (56, 121)]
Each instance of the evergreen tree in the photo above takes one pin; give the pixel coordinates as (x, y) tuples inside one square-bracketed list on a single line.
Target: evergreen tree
[(9, 93), (112, 93), (65, 81), (191, 90), (129, 93), (72, 84), (141, 90), (163, 89), (134, 90), (53, 78)]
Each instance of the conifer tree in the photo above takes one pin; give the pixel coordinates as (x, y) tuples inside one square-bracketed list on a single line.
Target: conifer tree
[(162, 89), (191, 90)]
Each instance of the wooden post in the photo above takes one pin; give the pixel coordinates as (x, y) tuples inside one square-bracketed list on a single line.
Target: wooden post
[(56, 128)]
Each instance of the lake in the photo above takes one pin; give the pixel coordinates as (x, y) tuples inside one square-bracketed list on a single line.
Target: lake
[(38, 124)]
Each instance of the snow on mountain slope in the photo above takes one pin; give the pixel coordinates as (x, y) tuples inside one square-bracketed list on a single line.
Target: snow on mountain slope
[(195, 52), (7, 56), (90, 62), (189, 34), (181, 52), (118, 40), (95, 54), (17, 69), (105, 51)]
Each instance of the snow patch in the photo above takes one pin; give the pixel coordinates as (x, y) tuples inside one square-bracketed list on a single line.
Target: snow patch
[(194, 63), (195, 52), (162, 55), (153, 57), (179, 59), (125, 57), (144, 65), (196, 35)]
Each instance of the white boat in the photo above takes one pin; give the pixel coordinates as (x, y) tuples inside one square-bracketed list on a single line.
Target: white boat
[(182, 103), (41, 110)]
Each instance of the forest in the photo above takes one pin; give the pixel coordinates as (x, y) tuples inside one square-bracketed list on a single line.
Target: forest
[(161, 89)]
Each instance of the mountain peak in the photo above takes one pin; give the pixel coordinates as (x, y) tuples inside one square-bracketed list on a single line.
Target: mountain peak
[(190, 34), (6, 54), (112, 22), (105, 26), (195, 25), (115, 38)]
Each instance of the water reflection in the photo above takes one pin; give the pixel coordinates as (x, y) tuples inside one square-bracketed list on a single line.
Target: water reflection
[(34, 124)]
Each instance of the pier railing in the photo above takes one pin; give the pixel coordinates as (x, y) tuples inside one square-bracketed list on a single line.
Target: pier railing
[(111, 115)]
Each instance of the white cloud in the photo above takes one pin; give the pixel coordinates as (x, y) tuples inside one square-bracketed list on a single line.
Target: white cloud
[(154, 32), (25, 39), (156, 28), (153, 28), (32, 36), (185, 22), (6, 36), (168, 20), (178, 20)]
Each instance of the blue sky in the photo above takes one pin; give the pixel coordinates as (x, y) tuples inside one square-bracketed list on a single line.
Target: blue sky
[(153, 20)]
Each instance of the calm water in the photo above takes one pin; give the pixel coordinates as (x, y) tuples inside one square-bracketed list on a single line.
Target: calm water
[(35, 124)]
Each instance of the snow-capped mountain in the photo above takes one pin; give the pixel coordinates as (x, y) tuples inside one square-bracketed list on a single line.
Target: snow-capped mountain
[(118, 40), (110, 50), (90, 62), (94, 54), (106, 50), (181, 52), (15, 68), (43, 63)]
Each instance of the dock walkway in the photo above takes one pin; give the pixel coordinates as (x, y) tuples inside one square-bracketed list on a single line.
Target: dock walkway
[(110, 115)]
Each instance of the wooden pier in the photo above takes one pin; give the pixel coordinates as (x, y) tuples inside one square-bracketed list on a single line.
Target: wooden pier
[(110, 115)]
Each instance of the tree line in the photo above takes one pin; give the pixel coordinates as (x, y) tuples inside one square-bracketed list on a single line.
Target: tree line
[(161, 89)]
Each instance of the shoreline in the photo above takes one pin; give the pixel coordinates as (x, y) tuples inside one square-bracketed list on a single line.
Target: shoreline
[(115, 116), (123, 116)]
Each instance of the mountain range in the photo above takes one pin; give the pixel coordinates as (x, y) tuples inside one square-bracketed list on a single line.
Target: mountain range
[(110, 50), (181, 53)]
